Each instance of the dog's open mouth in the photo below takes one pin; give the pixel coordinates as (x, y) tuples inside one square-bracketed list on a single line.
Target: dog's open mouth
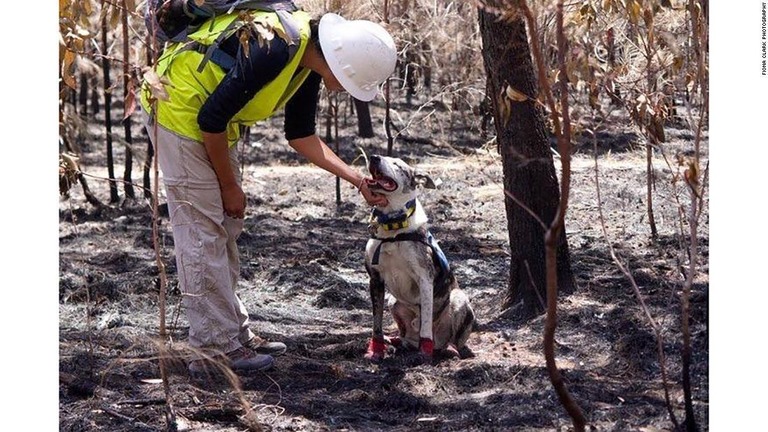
[(382, 182)]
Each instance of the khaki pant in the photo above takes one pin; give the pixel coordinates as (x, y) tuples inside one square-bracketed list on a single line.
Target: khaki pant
[(207, 258)]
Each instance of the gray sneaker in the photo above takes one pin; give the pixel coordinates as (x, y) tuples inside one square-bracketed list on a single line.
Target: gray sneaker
[(241, 360), (262, 346)]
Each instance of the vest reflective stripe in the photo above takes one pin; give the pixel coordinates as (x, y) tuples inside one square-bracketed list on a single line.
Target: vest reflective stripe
[(189, 89)]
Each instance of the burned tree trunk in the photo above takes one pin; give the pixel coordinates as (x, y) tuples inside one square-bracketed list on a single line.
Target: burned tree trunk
[(146, 182), (364, 125), (114, 197), (530, 179), (82, 95), (69, 172), (128, 101)]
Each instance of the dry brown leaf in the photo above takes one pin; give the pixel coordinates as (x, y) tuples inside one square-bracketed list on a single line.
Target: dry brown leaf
[(635, 11), (102, 14), (515, 95), (82, 32), (282, 34), (114, 17), (67, 71), (505, 110), (264, 32), (130, 100), (156, 84), (648, 17), (245, 43)]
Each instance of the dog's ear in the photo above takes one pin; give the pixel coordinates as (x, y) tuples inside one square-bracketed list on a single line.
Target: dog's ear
[(420, 178)]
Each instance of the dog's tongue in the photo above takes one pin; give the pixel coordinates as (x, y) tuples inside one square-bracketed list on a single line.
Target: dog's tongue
[(383, 182)]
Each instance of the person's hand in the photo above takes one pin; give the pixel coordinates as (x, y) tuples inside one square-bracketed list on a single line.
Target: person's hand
[(373, 199), (233, 200)]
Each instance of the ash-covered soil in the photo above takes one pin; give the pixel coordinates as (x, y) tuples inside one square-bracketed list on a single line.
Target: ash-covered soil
[(304, 283)]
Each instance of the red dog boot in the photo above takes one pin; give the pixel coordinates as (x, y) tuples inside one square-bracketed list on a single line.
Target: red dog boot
[(375, 351), (427, 347)]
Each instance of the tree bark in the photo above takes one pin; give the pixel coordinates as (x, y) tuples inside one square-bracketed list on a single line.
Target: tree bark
[(127, 93), (83, 95), (114, 197), (530, 179), (146, 177), (387, 114), (95, 103), (364, 124)]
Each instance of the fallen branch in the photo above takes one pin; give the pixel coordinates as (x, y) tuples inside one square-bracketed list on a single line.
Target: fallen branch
[(117, 414), (152, 401)]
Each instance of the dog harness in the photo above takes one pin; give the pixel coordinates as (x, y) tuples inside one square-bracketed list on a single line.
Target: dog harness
[(428, 239), (438, 257)]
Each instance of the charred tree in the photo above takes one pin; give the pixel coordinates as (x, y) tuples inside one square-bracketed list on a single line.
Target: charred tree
[(530, 179), (128, 101), (409, 75), (387, 103), (71, 172), (95, 102), (114, 197), (425, 68), (146, 182), (364, 124), (83, 95), (332, 134)]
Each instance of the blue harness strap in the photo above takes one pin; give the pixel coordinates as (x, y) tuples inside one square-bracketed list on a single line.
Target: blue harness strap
[(441, 258), (429, 240)]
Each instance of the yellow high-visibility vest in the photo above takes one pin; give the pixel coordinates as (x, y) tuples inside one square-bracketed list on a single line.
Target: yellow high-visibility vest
[(188, 89)]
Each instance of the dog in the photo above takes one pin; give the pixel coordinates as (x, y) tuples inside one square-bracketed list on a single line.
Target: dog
[(404, 262)]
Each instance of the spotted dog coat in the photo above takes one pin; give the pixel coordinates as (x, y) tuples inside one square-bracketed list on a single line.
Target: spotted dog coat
[(404, 261)]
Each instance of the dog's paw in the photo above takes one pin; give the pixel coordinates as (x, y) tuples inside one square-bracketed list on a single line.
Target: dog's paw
[(465, 352), (395, 341), (426, 352), (375, 351), (418, 358), (427, 347), (449, 352)]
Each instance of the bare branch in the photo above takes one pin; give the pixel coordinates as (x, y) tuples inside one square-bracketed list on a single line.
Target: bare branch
[(552, 235), (628, 275)]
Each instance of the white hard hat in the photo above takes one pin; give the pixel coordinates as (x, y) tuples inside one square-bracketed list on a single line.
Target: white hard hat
[(360, 53)]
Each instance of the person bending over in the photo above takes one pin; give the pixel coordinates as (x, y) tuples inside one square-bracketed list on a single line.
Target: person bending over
[(228, 75)]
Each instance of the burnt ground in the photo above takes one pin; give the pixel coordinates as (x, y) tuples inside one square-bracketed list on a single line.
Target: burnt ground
[(304, 283)]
